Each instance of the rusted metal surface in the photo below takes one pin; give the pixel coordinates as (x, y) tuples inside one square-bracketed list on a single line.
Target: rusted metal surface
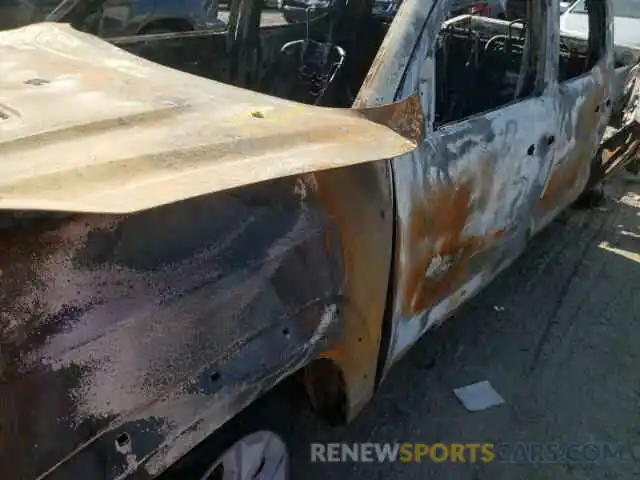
[(621, 145), (359, 201), (403, 117), (166, 153), (477, 189), (581, 129)]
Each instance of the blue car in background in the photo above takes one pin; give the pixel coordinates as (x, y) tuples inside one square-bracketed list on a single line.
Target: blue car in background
[(114, 18)]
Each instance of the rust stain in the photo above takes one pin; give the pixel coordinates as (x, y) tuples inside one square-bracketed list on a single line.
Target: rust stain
[(437, 236), (404, 117), (333, 354), (561, 183), (564, 177), (168, 151), (354, 201), (437, 233), (26, 247)]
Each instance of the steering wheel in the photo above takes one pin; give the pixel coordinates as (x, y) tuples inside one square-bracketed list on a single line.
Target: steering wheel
[(307, 67)]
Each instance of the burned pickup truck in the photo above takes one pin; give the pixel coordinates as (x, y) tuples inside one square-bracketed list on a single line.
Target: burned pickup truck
[(188, 220)]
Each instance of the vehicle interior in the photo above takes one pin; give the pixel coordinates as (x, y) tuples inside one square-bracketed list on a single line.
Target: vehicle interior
[(324, 59), (483, 63), (480, 54)]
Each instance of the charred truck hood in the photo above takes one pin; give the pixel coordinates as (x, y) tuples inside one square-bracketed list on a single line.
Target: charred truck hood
[(89, 127)]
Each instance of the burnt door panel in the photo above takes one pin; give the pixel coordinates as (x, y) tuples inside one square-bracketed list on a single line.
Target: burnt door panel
[(466, 200), (583, 106), (579, 105), (466, 203)]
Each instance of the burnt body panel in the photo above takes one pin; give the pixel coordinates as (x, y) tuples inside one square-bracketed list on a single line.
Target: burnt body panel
[(125, 327), (151, 330), (490, 175)]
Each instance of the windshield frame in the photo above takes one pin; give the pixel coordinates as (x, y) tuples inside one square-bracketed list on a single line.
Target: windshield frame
[(61, 10)]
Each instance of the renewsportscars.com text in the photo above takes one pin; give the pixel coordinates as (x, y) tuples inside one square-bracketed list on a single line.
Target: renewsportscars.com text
[(516, 452)]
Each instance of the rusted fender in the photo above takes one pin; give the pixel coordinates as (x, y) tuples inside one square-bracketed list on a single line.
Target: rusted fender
[(88, 127), (159, 326)]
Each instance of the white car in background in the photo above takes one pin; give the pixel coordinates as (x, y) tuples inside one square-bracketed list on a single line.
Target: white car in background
[(626, 26)]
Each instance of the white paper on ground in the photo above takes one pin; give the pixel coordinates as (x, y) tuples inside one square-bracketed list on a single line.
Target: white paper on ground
[(478, 396)]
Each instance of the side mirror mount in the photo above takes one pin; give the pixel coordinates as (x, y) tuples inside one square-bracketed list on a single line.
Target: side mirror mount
[(404, 117)]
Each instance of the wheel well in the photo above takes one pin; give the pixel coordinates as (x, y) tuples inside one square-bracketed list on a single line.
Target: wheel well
[(327, 390), (170, 24)]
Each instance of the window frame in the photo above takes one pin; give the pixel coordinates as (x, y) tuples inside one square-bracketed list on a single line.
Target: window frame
[(541, 76), (597, 38)]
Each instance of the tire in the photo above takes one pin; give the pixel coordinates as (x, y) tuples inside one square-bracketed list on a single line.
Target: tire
[(282, 404)]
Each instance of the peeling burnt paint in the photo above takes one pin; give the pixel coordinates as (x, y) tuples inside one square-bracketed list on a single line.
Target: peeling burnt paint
[(404, 117), (360, 202), (478, 188), (123, 320)]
